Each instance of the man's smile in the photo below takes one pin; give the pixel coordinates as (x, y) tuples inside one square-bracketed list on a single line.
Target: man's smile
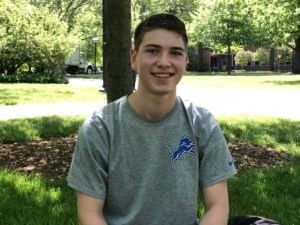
[(162, 75)]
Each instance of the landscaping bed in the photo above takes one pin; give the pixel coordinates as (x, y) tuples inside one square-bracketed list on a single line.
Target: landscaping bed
[(52, 158)]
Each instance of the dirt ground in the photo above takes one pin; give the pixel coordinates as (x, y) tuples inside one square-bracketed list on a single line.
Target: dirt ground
[(51, 158)]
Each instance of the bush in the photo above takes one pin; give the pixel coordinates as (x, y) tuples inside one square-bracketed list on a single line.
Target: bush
[(43, 78)]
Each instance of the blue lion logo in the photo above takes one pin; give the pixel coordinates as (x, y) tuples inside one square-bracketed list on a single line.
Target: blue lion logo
[(185, 145)]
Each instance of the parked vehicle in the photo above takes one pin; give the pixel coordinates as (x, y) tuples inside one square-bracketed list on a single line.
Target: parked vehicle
[(77, 63)]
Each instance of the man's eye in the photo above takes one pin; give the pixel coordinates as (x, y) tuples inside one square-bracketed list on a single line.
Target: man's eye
[(176, 53), (152, 51)]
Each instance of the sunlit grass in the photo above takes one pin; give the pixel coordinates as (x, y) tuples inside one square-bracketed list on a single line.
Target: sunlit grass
[(12, 94), (240, 80)]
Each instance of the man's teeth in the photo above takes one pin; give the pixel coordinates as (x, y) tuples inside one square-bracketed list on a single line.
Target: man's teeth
[(162, 75)]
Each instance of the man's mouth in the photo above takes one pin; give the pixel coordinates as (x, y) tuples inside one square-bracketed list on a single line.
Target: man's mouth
[(162, 75)]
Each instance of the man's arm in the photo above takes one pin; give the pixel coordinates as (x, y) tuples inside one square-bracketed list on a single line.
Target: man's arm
[(90, 210), (216, 205)]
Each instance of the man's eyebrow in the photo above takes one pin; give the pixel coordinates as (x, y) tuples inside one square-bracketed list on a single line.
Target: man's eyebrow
[(158, 46), (178, 48), (152, 46)]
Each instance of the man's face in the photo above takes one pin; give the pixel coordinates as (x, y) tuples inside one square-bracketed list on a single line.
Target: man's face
[(160, 62)]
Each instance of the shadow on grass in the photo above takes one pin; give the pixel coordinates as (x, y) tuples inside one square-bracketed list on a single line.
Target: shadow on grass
[(35, 201), (272, 193), (282, 134), (29, 129)]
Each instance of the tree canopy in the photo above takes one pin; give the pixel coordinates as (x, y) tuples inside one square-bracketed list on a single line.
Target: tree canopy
[(41, 33), (31, 37)]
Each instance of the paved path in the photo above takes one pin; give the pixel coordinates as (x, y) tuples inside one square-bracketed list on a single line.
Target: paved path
[(282, 103)]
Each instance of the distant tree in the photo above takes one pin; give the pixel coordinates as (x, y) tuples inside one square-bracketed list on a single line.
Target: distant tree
[(243, 57), (283, 55), (181, 8), (279, 22), (117, 48), (262, 55), (32, 37), (223, 23), (83, 18), (65, 9)]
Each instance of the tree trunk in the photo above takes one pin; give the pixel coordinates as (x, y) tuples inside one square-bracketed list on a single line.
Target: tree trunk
[(228, 61), (296, 60), (272, 59), (1, 68), (200, 57), (117, 48), (104, 73)]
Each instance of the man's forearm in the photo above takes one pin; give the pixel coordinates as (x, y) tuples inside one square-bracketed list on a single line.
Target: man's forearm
[(91, 219), (90, 210), (215, 216)]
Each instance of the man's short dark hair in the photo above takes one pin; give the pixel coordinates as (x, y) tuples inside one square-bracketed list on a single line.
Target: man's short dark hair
[(159, 21)]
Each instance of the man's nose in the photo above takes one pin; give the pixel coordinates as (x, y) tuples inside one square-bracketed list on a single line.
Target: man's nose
[(163, 60)]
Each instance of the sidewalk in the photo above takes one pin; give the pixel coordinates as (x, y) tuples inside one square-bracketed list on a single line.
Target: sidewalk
[(282, 103)]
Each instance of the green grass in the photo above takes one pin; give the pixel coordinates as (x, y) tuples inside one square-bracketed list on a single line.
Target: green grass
[(268, 192), (281, 134), (87, 76), (272, 193), (12, 94), (30, 129), (31, 200), (240, 80), (27, 199)]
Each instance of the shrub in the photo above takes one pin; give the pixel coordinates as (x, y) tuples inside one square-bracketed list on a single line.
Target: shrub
[(34, 78)]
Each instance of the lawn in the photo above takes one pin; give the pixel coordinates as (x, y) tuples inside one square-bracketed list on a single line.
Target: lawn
[(32, 200), (242, 80), (12, 94)]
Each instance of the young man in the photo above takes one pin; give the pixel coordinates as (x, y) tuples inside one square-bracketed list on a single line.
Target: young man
[(142, 159)]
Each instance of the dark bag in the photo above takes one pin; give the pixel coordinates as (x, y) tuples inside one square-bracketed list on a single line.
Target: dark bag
[(251, 220)]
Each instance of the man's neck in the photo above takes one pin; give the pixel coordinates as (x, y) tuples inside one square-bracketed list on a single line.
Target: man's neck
[(152, 107)]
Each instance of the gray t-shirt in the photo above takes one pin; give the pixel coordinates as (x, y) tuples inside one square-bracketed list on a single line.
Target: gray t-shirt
[(149, 172)]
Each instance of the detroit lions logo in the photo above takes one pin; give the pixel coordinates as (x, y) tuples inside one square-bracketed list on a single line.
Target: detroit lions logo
[(185, 145)]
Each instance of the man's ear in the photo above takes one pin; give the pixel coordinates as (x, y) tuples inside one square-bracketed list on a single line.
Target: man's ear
[(133, 54), (187, 60)]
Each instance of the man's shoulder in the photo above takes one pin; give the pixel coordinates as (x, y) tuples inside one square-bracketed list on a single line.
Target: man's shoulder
[(195, 109), (107, 112), (112, 106)]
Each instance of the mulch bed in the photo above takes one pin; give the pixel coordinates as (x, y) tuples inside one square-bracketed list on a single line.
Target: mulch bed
[(52, 158)]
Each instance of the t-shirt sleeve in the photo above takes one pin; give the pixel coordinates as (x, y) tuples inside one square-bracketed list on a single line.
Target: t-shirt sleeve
[(216, 162), (88, 171)]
